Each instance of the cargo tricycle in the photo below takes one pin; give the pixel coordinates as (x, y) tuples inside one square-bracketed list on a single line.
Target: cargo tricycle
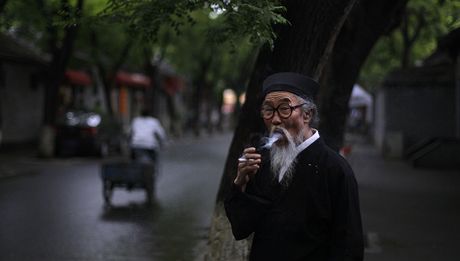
[(129, 175)]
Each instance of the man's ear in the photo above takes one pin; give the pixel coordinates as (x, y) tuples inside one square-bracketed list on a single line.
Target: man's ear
[(307, 117)]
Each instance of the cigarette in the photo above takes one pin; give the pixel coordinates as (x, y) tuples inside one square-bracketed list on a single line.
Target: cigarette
[(242, 159)]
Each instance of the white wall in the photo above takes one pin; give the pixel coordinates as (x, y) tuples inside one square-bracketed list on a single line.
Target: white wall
[(405, 116), (22, 106)]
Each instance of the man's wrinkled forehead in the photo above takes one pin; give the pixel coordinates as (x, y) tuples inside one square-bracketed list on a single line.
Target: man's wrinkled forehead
[(279, 97)]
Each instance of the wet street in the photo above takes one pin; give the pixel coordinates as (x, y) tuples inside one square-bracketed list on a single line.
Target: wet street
[(57, 212), (54, 210)]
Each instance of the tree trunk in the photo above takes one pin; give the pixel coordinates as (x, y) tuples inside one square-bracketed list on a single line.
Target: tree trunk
[(152, 70), (104, 76), (108, 76), (2, 88), (55, 75), (153, 93), (174, 125), (209, 101), (301, 47), (410, 36), (58, 66), (367, 22), (200, 87)]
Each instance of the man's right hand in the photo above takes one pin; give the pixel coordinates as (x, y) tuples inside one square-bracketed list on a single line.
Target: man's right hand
[(248, 168)]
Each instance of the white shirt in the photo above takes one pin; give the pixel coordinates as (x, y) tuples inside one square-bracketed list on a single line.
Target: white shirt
[(145, 132), (300, 148)]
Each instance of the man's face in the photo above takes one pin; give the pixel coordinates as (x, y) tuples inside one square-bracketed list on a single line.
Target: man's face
[(297, 123)]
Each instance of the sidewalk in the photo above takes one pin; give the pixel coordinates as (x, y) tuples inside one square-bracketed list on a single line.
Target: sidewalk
[(408, 214), (18, 161), (25, 161)]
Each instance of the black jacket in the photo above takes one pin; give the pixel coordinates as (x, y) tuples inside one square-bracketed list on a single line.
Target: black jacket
[(317, 217)]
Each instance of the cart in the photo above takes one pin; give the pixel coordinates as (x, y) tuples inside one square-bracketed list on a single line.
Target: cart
[(128, 175)]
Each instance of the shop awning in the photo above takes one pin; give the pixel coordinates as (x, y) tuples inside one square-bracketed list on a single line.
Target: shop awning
[(77, 77), (173, 84), (132, 79)]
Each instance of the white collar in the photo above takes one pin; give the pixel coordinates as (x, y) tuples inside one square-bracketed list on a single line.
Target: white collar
[(308, 141)]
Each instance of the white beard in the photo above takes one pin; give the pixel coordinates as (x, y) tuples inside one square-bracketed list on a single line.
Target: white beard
[(283, 158)]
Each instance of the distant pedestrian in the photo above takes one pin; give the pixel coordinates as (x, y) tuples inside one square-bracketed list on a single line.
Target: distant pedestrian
[(298, 197), (147, 136)]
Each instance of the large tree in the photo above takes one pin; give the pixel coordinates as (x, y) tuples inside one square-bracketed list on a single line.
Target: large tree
[(364, 26), (326, 40)]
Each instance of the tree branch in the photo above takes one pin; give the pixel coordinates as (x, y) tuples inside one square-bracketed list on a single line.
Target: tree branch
[(421, 22), (330, 45)]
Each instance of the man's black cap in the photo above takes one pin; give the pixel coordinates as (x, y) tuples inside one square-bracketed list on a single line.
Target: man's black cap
[(298, 84)]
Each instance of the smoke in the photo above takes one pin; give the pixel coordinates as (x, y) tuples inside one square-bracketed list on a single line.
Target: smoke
[(264, 143), (269, 141)]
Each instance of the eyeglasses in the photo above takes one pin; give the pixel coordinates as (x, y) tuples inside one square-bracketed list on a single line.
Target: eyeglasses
[(284, 110)]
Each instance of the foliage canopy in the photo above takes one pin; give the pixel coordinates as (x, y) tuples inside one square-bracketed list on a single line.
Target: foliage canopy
[(423, 23), (242, 17)]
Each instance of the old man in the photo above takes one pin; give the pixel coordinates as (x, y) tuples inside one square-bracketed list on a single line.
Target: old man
[(298, 196)]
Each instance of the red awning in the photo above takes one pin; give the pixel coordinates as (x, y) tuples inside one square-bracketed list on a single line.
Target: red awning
[(132, 79), (75, 77), (173, 84)]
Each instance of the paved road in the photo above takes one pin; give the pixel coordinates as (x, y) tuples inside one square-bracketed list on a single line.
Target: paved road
[(409, 214), (57, 213), (54, 210)]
